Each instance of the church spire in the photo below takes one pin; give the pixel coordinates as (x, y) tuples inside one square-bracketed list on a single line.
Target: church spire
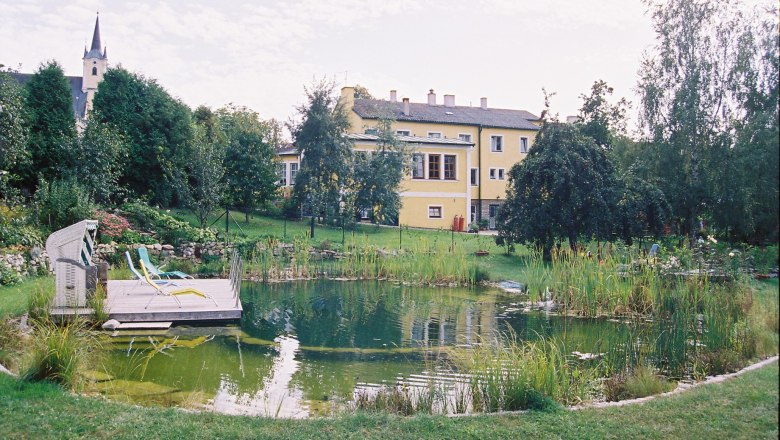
[(96, 35)]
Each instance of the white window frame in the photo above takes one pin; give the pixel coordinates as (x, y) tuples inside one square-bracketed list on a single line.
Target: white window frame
[(501, 173), (472, 173), (403, 132), (461, 135), (499, 144), (523, 150), (441, 211), (444, 167), (437, 133), (291, 177), (492, 174)]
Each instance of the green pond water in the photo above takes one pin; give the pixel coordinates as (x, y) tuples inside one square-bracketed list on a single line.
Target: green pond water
[(302, 348)]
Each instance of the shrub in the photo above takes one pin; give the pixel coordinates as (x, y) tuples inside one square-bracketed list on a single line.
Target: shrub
[(62, 203), (719, 361), (111, 226), (168, 229), (8, 275), (19, 235)]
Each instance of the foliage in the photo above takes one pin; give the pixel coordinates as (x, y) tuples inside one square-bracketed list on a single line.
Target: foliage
[(600, 120), (62, 203), (642, 209), (13, 131), (167, 228), (201, 185), (709, 111), (564, 189), (15, 228), (156, 128), (642, 381), (97, 160), (378, 174), (8, 275), (362, 92), (110, 226), (52, 125), (326, 152), (249, 157)]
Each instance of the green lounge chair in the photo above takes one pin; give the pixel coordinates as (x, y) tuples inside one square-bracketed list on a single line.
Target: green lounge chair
[(144, 256)]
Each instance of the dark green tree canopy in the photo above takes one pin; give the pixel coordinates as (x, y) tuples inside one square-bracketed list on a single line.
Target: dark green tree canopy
[(157, 128), (565, 189), (599, 119), (13, 131), (51, 122)]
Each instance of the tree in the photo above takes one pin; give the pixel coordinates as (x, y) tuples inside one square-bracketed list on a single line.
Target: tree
[(362, 92), (599, 119), (13, 131), (687, 105), (202, 186), (564, 189), (250, 159), (157, 129), (96, 160), (51, 122), (326, 152), (642, 209), (377, 176)]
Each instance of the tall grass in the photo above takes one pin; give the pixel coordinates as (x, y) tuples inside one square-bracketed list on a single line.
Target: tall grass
[(510, 374), (59, 352), (424, 263)]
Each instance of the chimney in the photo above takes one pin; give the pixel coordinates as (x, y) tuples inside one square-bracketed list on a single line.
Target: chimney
[(431, 97), (449, 100), (393, 96), (406, 107), (483, 103)]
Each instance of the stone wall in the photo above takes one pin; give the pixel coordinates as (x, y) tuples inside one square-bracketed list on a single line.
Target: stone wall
[(26, 263)]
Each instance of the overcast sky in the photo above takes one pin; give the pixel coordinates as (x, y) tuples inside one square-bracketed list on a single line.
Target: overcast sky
[(261, 53)]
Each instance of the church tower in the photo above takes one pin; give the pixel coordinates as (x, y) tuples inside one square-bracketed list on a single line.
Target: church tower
[(95, 64)]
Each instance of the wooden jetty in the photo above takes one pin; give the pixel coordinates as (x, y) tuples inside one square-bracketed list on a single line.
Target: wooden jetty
[(126, 301)]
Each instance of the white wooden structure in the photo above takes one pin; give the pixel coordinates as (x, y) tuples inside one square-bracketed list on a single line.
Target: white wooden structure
[(70, 256)]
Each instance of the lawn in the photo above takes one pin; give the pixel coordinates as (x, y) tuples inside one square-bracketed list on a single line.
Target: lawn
[(743, 407), (500, 265), (14, 299)]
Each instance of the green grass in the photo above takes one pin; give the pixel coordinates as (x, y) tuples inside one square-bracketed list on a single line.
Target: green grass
[(744, 407), (14, 300)]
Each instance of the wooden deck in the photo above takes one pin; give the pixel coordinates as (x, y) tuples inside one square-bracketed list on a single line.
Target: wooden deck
[(126, 301)]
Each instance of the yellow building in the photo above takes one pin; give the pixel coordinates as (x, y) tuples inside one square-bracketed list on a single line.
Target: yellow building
[(461, 155), (485, 142)]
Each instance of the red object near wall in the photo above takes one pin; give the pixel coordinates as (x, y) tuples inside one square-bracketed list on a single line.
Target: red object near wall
[(455, 223), (462, 224)]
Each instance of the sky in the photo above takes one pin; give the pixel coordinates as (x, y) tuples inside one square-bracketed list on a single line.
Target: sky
[(261, 54)]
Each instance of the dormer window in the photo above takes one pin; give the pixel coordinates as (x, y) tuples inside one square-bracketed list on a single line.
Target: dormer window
[(94, 71)]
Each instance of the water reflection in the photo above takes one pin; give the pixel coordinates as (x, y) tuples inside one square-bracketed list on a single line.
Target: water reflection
[(302, 346)]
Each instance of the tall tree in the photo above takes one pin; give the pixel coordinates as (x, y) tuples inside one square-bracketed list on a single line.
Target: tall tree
[(13, 131), (157, 128), (325, 150), (250, 159), (378, 175), (686, 105), (599, 119), (52, 125), (642, 209), (565, 189), (96, 160), (202, 185)]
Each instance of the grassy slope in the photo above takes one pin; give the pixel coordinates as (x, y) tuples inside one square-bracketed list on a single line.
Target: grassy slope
[(738, 408), (14, 299), (500, 265)]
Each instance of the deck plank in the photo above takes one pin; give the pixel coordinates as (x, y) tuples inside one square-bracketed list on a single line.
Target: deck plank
[(126, 300)]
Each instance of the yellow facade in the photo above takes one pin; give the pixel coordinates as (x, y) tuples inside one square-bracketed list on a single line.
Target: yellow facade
[(491, 167)]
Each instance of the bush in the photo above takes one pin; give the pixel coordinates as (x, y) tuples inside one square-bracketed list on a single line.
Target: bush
[(59, 352), (719, 361), (168, 229), (130, 236), (62, 203), (15, 229), (110, 226), (8, 275)]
